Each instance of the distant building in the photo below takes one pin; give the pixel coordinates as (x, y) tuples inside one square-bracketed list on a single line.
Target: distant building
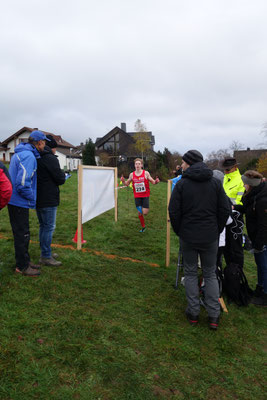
[(68, 157), (244, 157), (119, 145)]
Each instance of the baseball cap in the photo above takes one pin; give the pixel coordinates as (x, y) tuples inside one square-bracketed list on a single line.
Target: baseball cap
[(38, 135)]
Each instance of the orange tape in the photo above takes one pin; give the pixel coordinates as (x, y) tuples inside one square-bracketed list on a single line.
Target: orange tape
[(95, 252)]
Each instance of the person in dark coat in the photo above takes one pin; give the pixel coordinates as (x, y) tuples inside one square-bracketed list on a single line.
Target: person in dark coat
[(198, 210), (49, 178), (255, 209)]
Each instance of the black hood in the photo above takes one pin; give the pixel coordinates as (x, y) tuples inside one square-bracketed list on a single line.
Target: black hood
[(46, 151), (198, 172)]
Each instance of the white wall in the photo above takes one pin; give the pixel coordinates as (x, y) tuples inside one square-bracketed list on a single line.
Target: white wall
[(64, 161)]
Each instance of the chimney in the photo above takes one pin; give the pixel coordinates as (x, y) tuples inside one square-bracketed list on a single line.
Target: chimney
[(123, 126)]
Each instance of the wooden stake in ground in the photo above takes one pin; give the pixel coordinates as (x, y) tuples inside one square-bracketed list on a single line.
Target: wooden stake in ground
[(116, 193), (168, 233), (80, 190), (222, 303)]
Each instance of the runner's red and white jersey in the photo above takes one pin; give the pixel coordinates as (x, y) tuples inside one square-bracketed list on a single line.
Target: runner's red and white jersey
[(140, 185)]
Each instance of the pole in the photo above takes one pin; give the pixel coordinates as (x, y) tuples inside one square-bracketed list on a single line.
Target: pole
[(80, 183), (116, 193), (168, 233)]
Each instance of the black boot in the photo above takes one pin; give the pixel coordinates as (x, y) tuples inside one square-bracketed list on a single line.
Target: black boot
[(214, 323), (193, 319), (260, 301), (258, 291)]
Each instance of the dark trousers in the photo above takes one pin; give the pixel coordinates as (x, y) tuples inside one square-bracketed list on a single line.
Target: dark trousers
[(233, 250), (19, 220), (261, 261)]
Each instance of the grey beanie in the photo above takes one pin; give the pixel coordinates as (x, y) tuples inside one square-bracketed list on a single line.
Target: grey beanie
[(192, 156), (218, 175), (251, 181), (252, 178)]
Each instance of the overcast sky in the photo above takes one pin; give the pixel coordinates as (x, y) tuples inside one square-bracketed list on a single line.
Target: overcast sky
[(194, 71)]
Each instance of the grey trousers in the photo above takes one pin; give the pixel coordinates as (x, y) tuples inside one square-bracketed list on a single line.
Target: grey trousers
[(208, 254)]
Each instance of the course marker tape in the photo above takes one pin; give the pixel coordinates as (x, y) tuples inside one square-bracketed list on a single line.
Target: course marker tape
[(95, 252)]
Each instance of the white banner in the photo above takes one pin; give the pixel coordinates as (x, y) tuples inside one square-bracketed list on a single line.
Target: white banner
[(98, 192)]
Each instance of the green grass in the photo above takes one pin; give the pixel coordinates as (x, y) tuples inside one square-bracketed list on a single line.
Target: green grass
[(100, 328)]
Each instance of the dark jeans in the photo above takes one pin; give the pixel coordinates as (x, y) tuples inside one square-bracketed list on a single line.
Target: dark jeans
[(261, 261), (47, 221), (208, 255), (19, 220)]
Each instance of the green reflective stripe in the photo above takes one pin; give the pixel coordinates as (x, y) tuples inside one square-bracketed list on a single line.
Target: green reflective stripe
[(240, 193)]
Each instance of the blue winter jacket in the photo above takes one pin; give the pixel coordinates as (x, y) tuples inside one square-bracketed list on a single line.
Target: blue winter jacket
[(22, 171)]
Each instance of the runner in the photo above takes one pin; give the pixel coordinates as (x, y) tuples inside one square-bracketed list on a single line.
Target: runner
[(140, 179)]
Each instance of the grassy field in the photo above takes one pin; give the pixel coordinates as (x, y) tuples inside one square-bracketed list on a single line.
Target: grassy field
[(105, 327)]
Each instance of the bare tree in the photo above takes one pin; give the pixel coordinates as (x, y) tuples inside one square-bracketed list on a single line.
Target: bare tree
[(215, 158), (235, 146), (142, 138)]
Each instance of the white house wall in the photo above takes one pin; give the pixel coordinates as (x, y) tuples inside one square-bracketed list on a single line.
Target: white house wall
[(64, 161), (11, 146)]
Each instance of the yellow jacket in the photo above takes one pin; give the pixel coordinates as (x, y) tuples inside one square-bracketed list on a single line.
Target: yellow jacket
[(234, 186)]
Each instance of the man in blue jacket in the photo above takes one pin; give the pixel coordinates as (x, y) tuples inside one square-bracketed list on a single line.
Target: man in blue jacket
[(22, 171)]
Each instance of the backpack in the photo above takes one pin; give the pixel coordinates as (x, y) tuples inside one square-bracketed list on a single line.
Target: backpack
[(235, 285)]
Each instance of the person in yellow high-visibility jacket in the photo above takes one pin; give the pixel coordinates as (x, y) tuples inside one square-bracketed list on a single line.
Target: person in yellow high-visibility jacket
[(234, 188), (232, 183)]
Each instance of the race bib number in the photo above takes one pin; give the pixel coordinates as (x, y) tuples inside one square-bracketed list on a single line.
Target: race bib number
[(140, 187)]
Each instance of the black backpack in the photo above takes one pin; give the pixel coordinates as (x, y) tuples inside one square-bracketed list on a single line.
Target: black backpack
[(235, 285)]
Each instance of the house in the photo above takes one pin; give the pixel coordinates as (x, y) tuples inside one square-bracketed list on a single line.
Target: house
[(247, 159), (66, 152), (119, 145)]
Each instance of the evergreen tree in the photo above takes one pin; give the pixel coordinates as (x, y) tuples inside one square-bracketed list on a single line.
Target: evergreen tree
[(89, 153)]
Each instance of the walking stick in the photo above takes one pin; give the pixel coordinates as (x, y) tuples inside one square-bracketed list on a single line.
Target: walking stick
[(179, 265)]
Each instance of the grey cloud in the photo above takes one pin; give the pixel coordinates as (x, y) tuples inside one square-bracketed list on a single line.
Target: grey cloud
[(194, 72)]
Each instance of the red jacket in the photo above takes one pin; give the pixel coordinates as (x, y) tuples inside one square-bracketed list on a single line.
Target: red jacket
[(5, 186)]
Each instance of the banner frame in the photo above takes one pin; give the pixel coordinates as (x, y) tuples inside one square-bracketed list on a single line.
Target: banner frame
[(80, 191)]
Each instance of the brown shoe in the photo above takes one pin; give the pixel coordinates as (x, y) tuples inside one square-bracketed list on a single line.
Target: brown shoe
[(51, 262), (34, 266), (29, 271)]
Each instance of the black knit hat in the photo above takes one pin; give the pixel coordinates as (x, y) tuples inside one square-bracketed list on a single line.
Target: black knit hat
[(192, 156), (229, 162), (52, 143)]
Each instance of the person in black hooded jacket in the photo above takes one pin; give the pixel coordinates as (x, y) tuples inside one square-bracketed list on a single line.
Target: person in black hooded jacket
[(49, 178), (199, 209), (255, 208)]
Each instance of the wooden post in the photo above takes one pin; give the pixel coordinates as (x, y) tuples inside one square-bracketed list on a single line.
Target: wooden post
[(80, 190), (223, 304), (116, 193), (168, 242)]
